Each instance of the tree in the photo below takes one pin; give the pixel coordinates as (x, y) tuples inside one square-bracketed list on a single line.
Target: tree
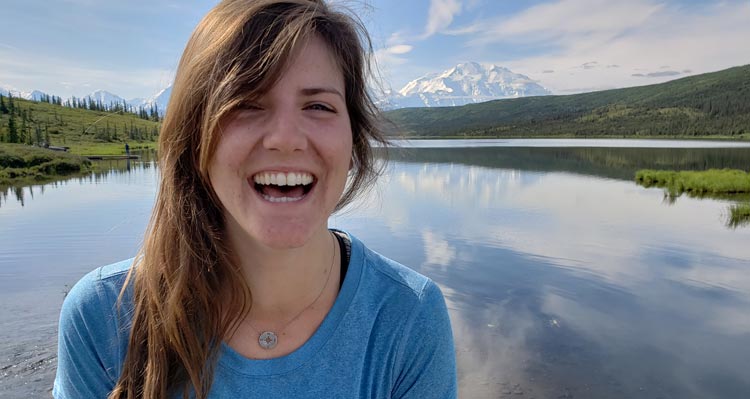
[(10, 103), (38, 135), (3, 108), (22, 133), (12, 130)]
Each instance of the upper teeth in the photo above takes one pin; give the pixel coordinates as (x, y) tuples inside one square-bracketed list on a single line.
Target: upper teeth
[(283, 179)]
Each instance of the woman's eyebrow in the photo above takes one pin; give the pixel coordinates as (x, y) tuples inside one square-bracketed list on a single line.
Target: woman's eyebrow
[(311, 91)]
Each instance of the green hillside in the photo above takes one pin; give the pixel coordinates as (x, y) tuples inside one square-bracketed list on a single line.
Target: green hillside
[(708, 105), (85, 131)]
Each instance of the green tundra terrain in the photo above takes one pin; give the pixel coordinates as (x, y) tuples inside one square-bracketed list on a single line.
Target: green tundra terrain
[(711, 105)]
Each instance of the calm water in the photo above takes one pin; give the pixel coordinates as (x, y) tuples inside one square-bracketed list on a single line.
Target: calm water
[(564, 279)]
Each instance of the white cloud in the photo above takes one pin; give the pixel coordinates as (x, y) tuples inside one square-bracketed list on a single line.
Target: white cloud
[(440, 15), (62, 77), (437, 250), (399, 49), (553, 21), (638, 35)]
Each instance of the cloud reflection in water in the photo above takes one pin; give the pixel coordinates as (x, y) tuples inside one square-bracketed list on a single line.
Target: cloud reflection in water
[(563, 284)]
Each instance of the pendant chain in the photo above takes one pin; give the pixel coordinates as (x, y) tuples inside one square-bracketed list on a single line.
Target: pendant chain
[(269, 339)]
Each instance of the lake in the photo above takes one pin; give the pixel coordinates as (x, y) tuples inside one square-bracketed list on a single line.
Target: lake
[(563, 278)]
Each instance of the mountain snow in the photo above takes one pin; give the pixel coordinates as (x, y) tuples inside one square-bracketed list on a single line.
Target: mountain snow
[(106, 97), (161, 99), (7, 90), (465, 83)]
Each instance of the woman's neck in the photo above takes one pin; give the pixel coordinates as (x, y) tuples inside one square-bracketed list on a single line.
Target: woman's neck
[(284, 281)]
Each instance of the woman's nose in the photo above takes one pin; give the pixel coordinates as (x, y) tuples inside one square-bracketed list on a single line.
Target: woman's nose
[(285, 132)]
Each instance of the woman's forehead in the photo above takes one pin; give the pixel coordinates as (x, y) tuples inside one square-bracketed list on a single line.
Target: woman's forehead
[(311, 69)]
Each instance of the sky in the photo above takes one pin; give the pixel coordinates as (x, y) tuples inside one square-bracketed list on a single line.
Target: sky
[(131, 48)]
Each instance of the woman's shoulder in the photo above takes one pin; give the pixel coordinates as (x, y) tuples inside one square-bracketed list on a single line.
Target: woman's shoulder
[(383, 275), (93, 300), (99, 284), (93, 333)]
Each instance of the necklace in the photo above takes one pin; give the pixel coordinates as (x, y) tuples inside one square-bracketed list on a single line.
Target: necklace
[(268, 339)]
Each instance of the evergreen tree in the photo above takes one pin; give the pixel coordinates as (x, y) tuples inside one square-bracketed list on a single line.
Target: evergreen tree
[(3, 108), (38, 135), (12, 130), (22, 132)]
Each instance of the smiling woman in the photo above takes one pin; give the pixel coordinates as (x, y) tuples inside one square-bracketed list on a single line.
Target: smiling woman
[(300, 127), (240, 289)]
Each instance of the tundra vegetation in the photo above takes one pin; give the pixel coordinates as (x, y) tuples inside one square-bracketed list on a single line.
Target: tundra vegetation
[(730, 184), (23, 164), (82, 126)]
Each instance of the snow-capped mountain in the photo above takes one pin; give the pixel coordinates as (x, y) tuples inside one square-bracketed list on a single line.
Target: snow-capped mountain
[(161, 99), (8, 90), (137, 101), (105, 97), (465, 83), (36, 95)]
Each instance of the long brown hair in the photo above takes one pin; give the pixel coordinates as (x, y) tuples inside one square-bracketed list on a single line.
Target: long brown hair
[(188, 291)]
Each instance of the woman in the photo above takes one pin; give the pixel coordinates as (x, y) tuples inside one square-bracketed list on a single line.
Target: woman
[(240, 289)]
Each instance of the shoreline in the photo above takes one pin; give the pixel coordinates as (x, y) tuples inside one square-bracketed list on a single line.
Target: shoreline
[(744, 139), (27, 165)]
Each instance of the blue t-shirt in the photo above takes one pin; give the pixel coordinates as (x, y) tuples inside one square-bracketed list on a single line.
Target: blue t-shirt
[(387, 335)]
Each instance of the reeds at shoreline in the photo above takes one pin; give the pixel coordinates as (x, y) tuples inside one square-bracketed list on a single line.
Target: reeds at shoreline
[(712, 181)]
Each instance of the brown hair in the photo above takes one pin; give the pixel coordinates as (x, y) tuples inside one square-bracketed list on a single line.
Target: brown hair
[(188, 291)]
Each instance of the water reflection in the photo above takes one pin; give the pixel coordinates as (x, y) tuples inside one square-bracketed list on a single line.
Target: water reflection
[(565, 285), (104, 170), (609, 162)]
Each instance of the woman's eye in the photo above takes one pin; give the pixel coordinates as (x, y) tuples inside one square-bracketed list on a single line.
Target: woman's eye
[(320, 107), (248, 106)]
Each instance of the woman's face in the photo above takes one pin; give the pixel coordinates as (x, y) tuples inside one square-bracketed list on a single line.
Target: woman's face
[(281, 163)]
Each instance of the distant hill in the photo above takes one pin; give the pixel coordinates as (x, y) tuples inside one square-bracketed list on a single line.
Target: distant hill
[(712, 104), (39, 122)]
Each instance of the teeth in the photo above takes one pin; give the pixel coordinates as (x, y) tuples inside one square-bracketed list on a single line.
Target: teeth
[(283, 179), (281, 199)]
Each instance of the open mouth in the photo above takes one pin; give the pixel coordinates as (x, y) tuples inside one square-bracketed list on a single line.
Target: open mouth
[(283, 187)]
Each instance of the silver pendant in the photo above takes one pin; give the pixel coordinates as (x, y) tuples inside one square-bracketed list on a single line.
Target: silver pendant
[(267, 340)]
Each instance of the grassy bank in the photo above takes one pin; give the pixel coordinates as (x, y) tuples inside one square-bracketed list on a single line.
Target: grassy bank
[(708, 182), (739, 215), (22, 164), (732, 184), (109, 148)]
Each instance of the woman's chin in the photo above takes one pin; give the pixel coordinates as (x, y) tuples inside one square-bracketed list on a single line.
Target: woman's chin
[(291, 237)]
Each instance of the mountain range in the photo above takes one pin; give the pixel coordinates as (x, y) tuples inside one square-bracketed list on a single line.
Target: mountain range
[(465, 83), (160, 99)]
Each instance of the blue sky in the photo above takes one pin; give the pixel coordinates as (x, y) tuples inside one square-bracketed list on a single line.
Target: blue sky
[(131, 48)]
